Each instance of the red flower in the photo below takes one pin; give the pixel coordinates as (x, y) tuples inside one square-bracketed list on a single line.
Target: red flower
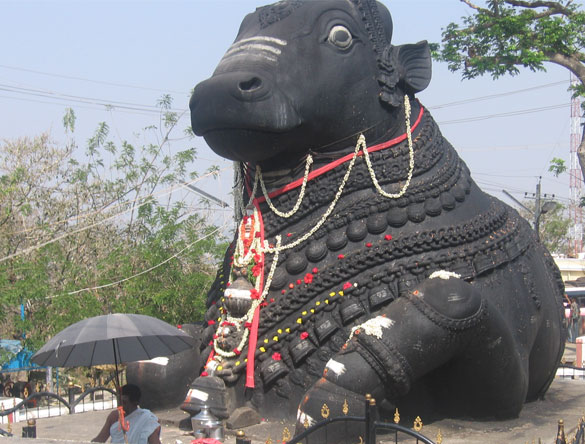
[(291, 285), (257, 234), (254, 294), (299, 282), (276, 356), (226, 324), (347, 285), (368, 244), (210, 322), (341, 256), (315, 270), (304, 335), (215, 336), (282, 291), (308, 278), (245, 219), (263, 304), (179, 326), (248, 325), (257, 258), (257, 269), (271, 300), (288, 234), (204, 374), (228, 284), (210, 342), (237, 352), (388, 237)]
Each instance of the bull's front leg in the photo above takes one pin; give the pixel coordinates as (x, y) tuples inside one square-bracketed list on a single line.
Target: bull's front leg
[(437, 323)]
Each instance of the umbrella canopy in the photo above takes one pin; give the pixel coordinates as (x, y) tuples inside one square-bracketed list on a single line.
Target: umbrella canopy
[(112, 339)]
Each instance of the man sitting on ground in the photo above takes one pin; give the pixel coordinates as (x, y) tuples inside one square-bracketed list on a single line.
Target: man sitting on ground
[(143, 426)]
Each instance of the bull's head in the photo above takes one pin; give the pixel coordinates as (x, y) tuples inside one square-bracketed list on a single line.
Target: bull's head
[(307, 75)]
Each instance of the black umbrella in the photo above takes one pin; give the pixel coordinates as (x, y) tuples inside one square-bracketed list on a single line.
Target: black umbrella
[(112, 339)]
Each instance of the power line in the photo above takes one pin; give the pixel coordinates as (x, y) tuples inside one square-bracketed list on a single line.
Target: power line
[(495, 96), (102, 82), (87, 227), (475, 173), (25, 99), (508, 114), (148, 270), (85, 100)]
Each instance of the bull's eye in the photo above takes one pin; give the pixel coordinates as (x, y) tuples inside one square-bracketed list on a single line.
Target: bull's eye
[(340, 36)]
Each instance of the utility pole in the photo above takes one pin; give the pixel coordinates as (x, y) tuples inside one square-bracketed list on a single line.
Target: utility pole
[(537, 209), (575, 176), (540, 207)]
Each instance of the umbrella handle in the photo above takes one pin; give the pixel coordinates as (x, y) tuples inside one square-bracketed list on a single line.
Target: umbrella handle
[(124, 425)]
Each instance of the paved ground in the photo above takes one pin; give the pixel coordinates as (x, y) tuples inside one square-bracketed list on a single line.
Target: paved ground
[(565, 400)]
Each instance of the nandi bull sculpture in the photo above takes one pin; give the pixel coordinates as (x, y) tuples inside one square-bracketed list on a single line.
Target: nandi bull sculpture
[(366, 259)]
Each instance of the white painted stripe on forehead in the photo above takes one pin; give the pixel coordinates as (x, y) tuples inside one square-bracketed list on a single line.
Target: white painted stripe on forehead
[(263, 39), (247, 56), (252, 47)]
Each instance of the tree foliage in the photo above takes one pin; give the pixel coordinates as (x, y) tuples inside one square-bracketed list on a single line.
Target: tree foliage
[(504, 35), (95, 229), (553, 228)]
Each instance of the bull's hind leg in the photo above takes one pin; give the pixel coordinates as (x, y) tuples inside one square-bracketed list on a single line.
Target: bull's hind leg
[(437, 326)]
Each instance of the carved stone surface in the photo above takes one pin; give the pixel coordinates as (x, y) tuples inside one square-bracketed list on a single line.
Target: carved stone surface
[(479, 338)]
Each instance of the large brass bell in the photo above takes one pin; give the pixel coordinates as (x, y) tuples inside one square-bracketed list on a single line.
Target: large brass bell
[(238, 296)]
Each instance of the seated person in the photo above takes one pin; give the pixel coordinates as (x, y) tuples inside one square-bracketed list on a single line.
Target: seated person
[(144, 427)]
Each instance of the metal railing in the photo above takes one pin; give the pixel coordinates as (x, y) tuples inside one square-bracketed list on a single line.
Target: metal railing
[(568, 371), (578, 438), (370, 426), (48, 404)]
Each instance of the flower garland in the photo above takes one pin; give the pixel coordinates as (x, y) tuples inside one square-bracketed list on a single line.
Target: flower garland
[(360, 146), (361, 141), (243, 258), (301, 194), (258, 294), (410, 163), (250, 247)]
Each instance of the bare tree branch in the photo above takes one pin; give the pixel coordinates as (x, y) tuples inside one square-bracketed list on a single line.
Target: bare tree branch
[(475, 29), (477, 8), (556, 6)]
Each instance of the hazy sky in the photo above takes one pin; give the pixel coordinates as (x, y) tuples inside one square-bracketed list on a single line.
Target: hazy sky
[(82, 54)]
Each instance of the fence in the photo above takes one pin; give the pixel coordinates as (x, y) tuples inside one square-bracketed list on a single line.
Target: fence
[(578, 438), (567, 371), (369, 425), (48, 404)]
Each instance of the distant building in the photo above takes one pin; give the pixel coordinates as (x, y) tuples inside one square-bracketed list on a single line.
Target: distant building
[(571, 269)]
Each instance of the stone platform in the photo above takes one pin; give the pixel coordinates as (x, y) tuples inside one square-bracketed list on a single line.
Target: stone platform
[(565, 400)]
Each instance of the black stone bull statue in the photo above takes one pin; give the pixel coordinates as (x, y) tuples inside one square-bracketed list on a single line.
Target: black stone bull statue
[(366, 259)]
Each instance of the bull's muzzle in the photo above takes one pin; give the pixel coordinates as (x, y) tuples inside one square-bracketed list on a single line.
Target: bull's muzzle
[(242, 100)]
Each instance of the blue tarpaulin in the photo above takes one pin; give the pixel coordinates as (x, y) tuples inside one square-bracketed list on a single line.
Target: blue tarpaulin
[(22, 359)]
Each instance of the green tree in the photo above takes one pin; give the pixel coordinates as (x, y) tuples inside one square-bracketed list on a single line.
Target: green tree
[(91, 230), (504, 35), (553, 228), (557, 166)]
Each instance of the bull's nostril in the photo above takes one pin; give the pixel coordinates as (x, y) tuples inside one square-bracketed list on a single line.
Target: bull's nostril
[(250, 85)]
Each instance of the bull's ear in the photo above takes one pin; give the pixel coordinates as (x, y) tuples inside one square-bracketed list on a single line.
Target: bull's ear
[(415, 67), (404, 69)]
